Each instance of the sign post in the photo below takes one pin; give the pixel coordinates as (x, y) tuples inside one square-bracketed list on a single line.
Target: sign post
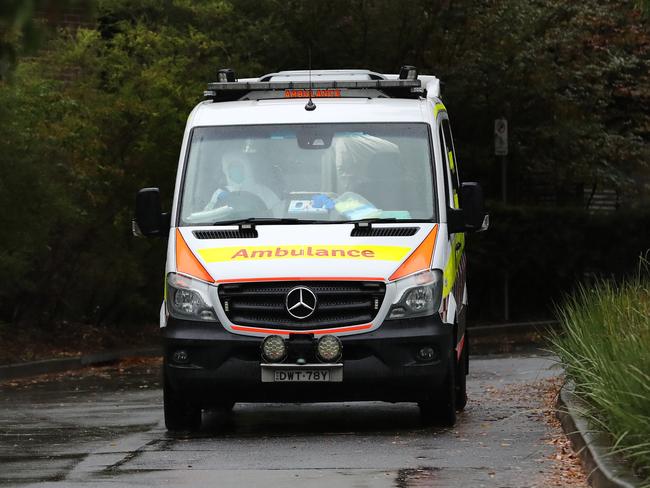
[(501, 151)]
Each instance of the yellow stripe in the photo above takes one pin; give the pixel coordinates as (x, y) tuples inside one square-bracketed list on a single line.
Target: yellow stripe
[(451, 162), (437, 108), (450, 272), (449, 277), (257, 253)]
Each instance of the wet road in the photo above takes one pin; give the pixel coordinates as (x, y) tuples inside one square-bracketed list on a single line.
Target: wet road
[(105, 429)]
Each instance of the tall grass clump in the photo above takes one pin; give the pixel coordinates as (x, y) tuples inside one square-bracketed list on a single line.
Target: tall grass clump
[(604, 346)]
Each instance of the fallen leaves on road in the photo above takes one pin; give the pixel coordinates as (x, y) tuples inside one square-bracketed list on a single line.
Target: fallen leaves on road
[(65, 340), (536, 400), (567, 469), (126, 366)]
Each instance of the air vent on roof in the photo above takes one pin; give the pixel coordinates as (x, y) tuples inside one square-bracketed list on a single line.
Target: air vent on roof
[(226, 234), (384, 231)]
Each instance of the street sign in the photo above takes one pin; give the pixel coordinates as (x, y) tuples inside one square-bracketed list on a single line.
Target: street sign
[(501, 137)]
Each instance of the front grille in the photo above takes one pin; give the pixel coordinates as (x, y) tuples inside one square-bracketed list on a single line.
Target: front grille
[(339, 303)]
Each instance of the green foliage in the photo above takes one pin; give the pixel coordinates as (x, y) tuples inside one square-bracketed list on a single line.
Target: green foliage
[(100, 113), (571, 77), (21, 33), (16, 29), (644, 5), (605, 349)]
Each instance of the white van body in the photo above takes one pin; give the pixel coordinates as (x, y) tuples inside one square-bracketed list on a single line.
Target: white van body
[(335, 253)]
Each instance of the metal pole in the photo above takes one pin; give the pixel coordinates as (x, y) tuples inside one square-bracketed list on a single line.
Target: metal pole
[(506, 296), (504, 179), (506, 277)]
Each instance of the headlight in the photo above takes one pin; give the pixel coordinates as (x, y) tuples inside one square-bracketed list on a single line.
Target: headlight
[(417, 296), (189, 299)]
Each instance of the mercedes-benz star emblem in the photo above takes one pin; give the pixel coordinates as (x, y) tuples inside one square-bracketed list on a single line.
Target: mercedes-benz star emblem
[(301, 302)]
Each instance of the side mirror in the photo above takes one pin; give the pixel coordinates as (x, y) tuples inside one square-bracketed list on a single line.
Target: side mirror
[(149, 219), (471, 216)]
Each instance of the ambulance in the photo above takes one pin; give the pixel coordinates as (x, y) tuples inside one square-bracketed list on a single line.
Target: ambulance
[(316, 246)]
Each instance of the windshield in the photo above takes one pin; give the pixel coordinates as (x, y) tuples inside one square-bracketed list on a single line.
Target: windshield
[(308, 172)]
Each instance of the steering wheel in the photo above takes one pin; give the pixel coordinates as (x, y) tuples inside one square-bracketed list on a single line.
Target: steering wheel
[(247, 203)]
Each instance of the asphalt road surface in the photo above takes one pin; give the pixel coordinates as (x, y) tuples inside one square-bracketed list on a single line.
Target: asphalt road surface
[(104, 428)]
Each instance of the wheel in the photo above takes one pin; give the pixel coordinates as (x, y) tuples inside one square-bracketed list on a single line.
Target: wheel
[(179, 415), (440, 407), (461, 377)]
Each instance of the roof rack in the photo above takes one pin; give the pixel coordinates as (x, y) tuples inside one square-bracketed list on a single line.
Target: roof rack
[(229, 91), (292, 84), (340, 74)]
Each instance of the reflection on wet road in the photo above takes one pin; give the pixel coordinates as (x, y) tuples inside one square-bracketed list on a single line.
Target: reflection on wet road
[(105, 428)]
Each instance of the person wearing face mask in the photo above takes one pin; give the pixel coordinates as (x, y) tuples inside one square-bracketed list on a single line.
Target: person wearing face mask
[(240, 177)]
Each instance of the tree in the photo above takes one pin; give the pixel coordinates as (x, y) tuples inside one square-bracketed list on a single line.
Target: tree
[(572, 78)]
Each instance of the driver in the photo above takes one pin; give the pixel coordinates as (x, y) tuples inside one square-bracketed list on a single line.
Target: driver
[(240, 177)]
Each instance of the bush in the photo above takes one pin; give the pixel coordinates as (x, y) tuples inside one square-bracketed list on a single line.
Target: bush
[(100, 113), (605, 349)]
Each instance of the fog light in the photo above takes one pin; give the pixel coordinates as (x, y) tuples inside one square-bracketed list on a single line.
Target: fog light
[(180, 356), (274, 349), (329, 349), (427, 354)]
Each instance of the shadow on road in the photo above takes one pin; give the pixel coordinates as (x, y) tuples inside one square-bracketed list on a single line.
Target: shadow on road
[(282, 420)]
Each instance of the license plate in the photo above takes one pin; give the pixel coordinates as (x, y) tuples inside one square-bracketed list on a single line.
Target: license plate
[(301, 375), (290, 373)]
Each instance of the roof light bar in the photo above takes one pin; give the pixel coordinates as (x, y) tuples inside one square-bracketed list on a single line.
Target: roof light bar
[(226, 88), (316, 85)]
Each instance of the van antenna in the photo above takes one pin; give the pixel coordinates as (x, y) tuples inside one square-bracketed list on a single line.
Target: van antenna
[(310, 104)]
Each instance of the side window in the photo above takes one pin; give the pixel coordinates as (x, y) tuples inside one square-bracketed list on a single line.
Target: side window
[(443, 158), (452, 163)]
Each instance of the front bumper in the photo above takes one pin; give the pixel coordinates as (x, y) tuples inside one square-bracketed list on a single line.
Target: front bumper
[(378, 365)]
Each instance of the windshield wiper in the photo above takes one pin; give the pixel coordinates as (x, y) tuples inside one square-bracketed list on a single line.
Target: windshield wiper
[(369, 221), (265, 220)]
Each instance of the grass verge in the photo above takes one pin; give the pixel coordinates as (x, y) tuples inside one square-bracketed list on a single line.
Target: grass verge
[(604, 345)]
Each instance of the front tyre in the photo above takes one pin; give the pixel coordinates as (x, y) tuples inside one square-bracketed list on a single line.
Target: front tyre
[(179, 415), (440, 407)]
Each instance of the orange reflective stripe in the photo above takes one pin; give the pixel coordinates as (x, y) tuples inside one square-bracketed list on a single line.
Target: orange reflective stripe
[(186, 261), (291, 332), (420, 259)]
